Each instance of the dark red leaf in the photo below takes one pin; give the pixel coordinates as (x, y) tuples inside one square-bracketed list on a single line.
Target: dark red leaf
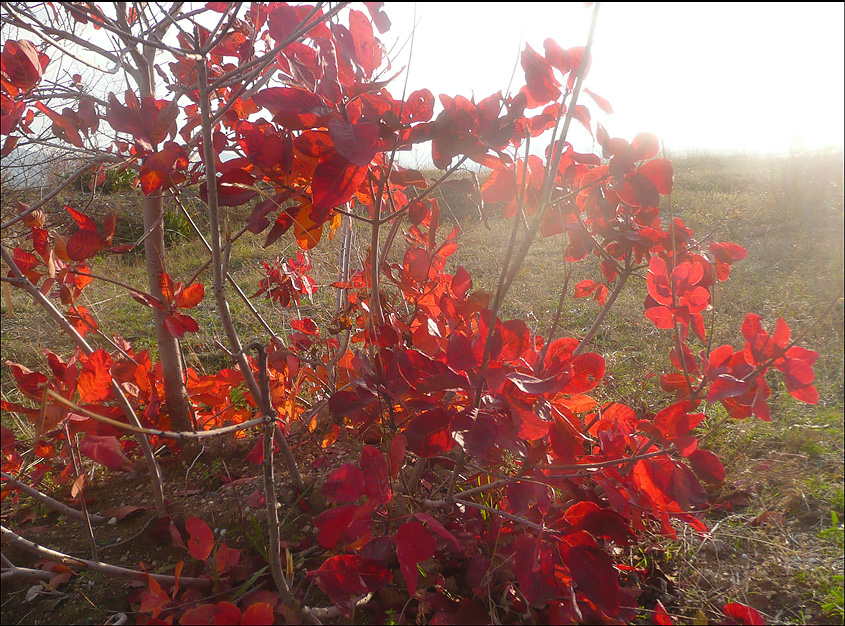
[(295, 108), (22, 66), (707, 466), (177, 324), (345, 484), (594, 575), (346, 577), (534, 570), (374, 467), (357, 142), (429, 433), (414, 544), (346, 523), (335, 182), (599, 522)]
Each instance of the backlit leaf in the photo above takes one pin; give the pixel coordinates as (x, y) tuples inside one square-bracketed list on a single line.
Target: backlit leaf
[(94, 383)]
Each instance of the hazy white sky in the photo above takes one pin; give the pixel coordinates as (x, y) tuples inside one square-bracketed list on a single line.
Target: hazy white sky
[(717, 77)]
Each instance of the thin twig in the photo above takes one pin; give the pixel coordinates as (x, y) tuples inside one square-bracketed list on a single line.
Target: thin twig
[(11, 538), (49, 502)]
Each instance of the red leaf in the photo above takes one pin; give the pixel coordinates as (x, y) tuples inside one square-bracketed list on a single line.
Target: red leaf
[(28, 382), (534, 571), (661, 617), (707, 466), (226, 614), (645, 146), (191, 296), (305, 325), (557, 56), (201, 541), (419, 107), (147, 120), (742, 614), (159, 165), (22, 66), (294, 108), (540, 84), (84, 244), (345, 484), (675, 421), (516, 339), (335, 182), (346, 577), (599, 522), (594, 575), (333, 523), (661, 173), (107, 451), (429, 433), (82, 320), (357, 142), (416, 264), (461, 282), (202, 614), (374, 467), (367, 50), (63, 124), (661, 316), (260, 614), (436, 527), (414, 544), (604, 105), (177, 324), (726, 386), (587, 371), (94, 382), (234, 188)]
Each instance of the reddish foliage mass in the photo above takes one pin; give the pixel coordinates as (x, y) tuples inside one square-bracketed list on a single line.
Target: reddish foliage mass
[(416, 361)]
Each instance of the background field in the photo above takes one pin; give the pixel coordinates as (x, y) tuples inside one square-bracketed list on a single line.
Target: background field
[(779, 546)]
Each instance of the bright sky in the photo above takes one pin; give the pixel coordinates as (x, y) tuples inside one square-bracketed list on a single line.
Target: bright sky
[(715, 77)]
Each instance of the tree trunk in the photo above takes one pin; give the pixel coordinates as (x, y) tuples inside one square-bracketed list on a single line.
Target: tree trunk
[(173, 371)]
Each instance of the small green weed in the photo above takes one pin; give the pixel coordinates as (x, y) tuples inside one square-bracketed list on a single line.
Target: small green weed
[(836, 532), (834, 601)]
